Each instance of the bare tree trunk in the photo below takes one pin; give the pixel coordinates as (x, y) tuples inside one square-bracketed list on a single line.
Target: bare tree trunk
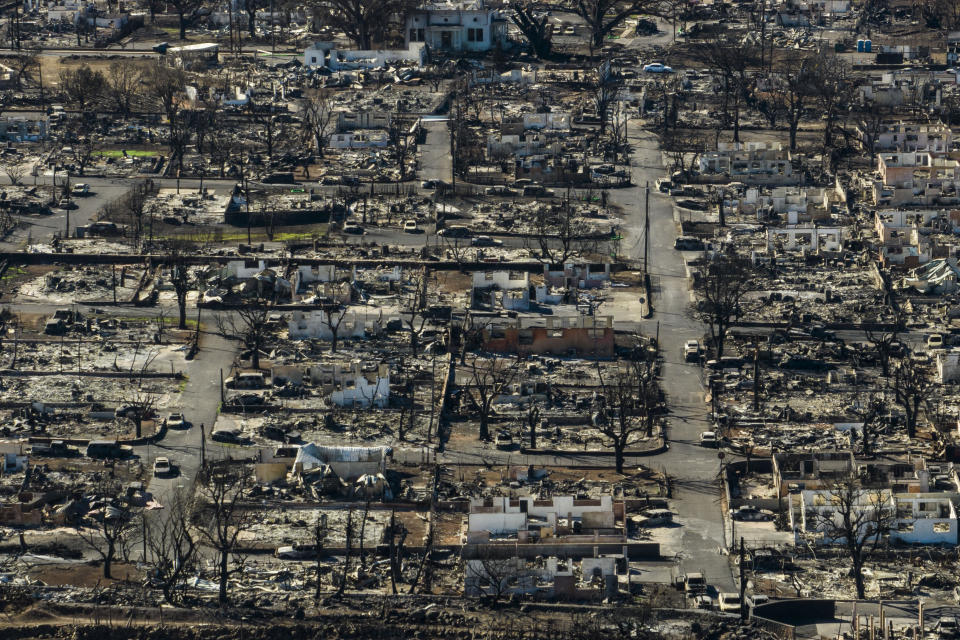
[(224, 577), (393, 551), (346, 560), (363, 530), (108, 559), (428, 547)]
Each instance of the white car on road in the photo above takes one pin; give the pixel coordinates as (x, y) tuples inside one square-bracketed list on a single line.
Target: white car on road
[(657, 67), (161, 467)]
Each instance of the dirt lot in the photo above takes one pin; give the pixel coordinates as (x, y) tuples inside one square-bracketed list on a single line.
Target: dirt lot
[(84, 575)]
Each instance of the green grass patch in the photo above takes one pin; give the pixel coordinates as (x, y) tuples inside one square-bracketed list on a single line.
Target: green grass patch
[(169, 321), (114, 153), (256, 235), (13, 272)]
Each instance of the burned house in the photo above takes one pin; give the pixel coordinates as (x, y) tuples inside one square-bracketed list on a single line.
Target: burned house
[(321, 324), (353, 386), (748, 161), (559, 547), (581, 336), (915, 178)]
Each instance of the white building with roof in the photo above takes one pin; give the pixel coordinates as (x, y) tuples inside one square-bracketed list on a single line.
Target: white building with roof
[(466, 25)]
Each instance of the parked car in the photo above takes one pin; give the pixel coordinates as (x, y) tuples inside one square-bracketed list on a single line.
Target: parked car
[(297, 552), (161, 467), (646, 27), (281, 433), (410, 226), (55, 449), (353, 229), (485, 241), (947, 627), (657, 67), (656, 517), (455, 232), (726, 362), (246, 380), (499, 191), (709, 439), (688, 243), (751, 514), (756, 600), (503, 440), (537, 191), (935, 341), (108, 449), (694, 583), (177, 421), (729, 601), (80, 189), (227, 435), (248, 400), (691, 351)]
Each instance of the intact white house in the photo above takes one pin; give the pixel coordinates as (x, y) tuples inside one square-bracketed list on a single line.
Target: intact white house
[(467, 25)]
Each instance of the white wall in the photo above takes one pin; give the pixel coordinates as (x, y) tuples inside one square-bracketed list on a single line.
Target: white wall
[(830, 237), (553, 121), (926, 512), (500, 279), (237, 269), (497, 523), (948, 366), (314, 325), (358, 140), (607, 566), (364, 393)]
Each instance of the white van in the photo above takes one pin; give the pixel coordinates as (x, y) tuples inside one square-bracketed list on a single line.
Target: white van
[(729, 601)]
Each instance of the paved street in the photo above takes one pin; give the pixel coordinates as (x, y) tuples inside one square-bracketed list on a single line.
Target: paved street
[(694, 468), (42, 228), (435, 159)]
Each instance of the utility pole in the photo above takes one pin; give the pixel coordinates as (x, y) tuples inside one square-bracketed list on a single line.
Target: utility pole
[(40, 71), (196, 337), (646, 230), (273, 31), (756, 376), (723, 218), (246, 198), (433, 403), (203, 446), (743, 580)]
